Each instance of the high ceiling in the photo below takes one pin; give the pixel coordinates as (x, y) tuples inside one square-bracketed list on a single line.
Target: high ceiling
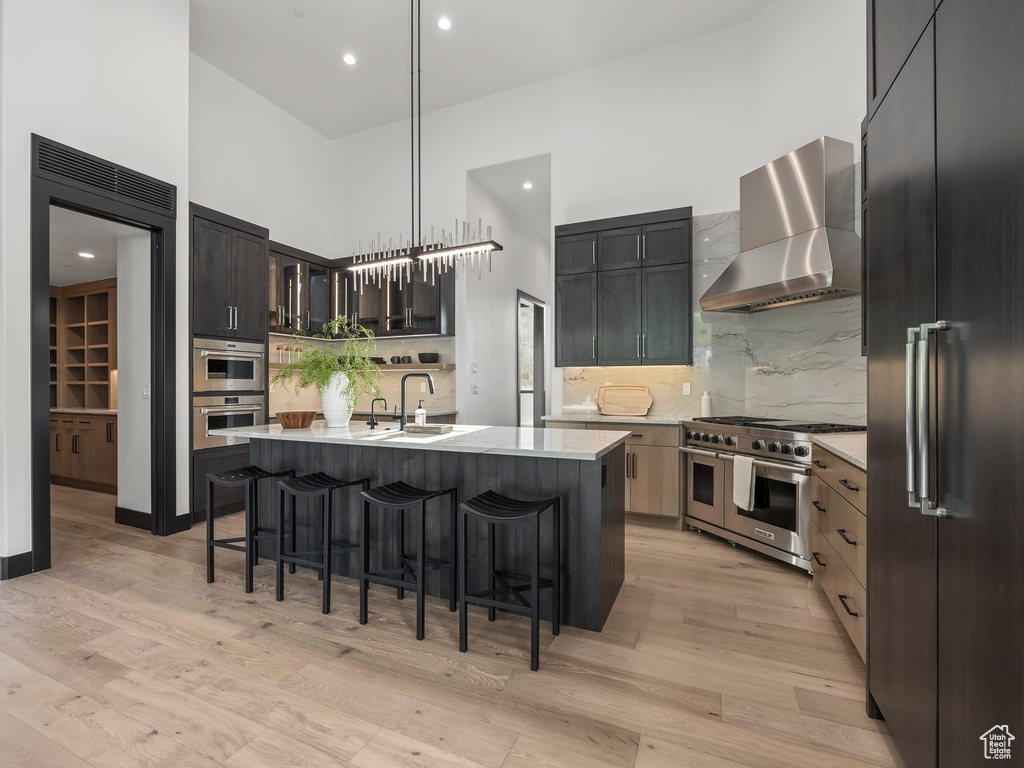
[(290, 51)]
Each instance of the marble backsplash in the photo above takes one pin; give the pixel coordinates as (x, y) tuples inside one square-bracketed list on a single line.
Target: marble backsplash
[(284, 397), (798, 362)]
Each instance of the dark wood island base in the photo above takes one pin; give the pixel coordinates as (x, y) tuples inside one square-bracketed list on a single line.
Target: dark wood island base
[(592, 524)]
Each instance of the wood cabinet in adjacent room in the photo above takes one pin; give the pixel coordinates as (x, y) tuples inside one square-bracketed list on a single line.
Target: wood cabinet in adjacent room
[(83, 450)]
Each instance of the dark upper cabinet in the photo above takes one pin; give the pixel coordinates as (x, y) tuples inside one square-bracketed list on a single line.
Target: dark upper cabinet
[(666, 243), (339, 281), (894, 27), (294, 297), (635, 310), (248, 286), (423, 301), (619, 248), (665, 324), (618, 317), (229, 278), (576, 319), (575, 254), (213, 313), (318, 298)]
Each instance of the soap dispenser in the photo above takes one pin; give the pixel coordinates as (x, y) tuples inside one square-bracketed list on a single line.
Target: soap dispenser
[(421, 415)]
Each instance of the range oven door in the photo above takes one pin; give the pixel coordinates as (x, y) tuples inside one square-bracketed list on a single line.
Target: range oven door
[(705, 487), (227, 366), (221, 412), (781, 515)]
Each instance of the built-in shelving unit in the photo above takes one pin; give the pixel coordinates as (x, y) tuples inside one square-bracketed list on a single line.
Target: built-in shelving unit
[(83, 344)]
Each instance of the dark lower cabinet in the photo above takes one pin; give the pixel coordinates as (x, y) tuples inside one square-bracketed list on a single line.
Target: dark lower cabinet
[(665, 336), (631, 303), (902, 560), (225, 500), (946, 627), (576, 319), (618, 317)]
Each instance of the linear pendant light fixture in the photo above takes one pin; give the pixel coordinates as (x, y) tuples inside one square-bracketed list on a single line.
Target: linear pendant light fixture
[(463, 249)]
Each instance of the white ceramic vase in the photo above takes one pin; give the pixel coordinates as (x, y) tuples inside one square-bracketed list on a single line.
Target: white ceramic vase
[(336, 403)]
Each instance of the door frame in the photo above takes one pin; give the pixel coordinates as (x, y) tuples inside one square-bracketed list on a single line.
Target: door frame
[(51, 188), (539, 383)]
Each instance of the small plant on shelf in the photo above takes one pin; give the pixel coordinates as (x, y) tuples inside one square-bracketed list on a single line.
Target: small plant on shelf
[(338, 363)]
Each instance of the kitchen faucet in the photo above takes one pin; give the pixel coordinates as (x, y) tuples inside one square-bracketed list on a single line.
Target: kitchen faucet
[(430, 381), (372, 423)]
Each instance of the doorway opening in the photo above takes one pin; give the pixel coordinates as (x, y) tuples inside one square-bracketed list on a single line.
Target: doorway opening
[(102, 345), (530, 404)]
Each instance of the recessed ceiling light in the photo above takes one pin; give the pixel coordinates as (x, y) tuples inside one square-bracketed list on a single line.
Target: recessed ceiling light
[(528, 185), (349, 59), (85, 255), (444, 23)]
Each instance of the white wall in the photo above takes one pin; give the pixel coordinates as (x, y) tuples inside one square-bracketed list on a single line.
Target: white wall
[(134, 340), (486, 311), (673, 126), (251, 159), (109, 77)]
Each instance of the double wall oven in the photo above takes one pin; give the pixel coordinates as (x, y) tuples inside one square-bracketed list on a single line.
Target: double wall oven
[(779, 521), (229, 388)]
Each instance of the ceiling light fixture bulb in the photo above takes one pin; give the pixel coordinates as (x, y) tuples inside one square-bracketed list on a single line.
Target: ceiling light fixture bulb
[(528, 185), (85, 255), (444, 23), (349, 59)]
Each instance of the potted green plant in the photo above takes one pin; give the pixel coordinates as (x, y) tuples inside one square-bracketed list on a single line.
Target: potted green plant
[(337, 361)]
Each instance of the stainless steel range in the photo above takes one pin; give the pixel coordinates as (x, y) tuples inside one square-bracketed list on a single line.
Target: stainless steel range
[(780, 521)]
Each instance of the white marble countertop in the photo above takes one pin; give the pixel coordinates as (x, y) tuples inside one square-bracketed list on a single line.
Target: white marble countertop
[(86, 411), (649, 419), (850, 446), (582, 445)]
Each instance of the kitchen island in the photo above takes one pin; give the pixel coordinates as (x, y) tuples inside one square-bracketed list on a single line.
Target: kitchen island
[(585, 468)]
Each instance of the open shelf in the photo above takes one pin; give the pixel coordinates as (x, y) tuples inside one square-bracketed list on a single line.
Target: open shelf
[(83, 338)]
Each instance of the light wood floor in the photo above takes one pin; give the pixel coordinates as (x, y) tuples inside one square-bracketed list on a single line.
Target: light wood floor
[(122, 655)]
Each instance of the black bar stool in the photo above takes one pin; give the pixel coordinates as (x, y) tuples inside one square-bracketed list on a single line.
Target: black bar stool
[(409, 574), (323, 486), (249, 477), (502, 510)]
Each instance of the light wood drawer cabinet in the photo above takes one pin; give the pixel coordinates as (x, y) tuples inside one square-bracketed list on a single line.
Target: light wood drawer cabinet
[(646, 434), (839, 541), (83, 451)]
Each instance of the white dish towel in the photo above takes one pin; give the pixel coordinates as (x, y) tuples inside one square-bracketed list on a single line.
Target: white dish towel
[(743, 482)]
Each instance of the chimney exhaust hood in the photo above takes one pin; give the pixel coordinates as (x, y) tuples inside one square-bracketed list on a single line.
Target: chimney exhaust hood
[(797, 242)]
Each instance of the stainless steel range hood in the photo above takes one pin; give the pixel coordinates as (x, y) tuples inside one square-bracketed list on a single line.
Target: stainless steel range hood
[(797, 242)]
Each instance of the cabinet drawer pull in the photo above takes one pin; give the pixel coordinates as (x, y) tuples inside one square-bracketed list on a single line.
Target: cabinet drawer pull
[(818, 464), (842, 533), (818, 560), (849, 487), (57, 441), (843, 599), (634, 466), (818, 507)]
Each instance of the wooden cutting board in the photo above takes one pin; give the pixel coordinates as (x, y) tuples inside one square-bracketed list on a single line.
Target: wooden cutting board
[(624, 400)]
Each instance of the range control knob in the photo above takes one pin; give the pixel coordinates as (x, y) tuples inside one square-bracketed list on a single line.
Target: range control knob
[(716, 439), (800, 451), (689, 435), (786, 449), (773, 447), (705, 437), (730, 441), (757, 445)]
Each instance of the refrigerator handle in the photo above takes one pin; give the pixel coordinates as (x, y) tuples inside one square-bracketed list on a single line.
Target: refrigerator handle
[(928, 506), (911, 416)]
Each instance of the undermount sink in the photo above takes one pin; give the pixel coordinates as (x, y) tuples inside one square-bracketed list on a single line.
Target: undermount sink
[(423, 437)]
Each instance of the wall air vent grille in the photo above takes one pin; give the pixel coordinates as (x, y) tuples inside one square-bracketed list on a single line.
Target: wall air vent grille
[(70, 166)]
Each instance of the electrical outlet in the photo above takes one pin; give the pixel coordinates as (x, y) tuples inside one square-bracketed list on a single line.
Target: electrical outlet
[(472, 368), (474, 389), (686, 388), (423, 386), (273, 387)]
